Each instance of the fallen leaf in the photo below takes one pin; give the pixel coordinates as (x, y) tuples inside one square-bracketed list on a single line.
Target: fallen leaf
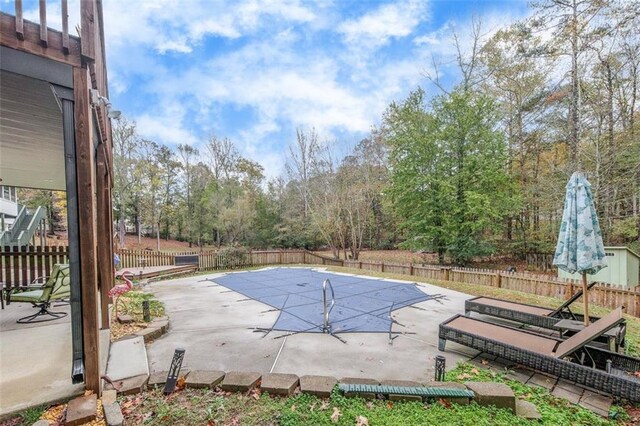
[(211, 423), (293, 408), (389, 405), (311, 407), (181, 383), (324, 405), (370, 405), (463, 376), (475, 371), (444, 403), (484, 362), (336, 415), (362, 421)]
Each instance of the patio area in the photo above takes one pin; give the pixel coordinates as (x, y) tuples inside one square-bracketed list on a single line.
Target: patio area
[(36, 359), (220, 330), (225, 330)]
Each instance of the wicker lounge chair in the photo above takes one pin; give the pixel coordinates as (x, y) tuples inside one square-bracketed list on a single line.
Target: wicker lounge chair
[(569, 359), (534, 315), (55, 288)]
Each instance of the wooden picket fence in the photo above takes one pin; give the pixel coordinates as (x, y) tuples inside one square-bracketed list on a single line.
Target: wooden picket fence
[(20, 267)]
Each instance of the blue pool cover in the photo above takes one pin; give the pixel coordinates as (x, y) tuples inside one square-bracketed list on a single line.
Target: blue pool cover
[(361, 304)]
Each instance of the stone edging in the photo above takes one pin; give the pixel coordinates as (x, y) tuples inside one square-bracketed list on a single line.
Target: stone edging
[(494, 394), (155, 329)]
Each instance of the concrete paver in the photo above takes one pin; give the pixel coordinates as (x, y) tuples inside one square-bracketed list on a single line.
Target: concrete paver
[(593, 400), (527, 410), (129, 386), (204, 379), (158, 378), (496, 394), (279, 384), (113, 414), (318, 385), (240, 381), (127, 358), (559, 392), (542, 381), (82, 409), (108, 397)]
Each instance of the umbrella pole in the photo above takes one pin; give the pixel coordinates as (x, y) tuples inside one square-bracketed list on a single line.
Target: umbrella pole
[(586, 299)]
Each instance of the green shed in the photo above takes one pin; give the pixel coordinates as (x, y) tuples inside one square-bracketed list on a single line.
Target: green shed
[(623, 269)]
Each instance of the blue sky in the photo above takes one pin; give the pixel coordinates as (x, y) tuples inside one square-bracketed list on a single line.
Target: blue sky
[(254, 71)]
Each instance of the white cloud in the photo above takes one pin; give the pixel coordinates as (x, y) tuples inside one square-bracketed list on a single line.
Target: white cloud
[(254, 70), (376, 28)]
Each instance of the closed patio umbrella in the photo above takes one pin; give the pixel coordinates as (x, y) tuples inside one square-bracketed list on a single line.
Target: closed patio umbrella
[(580, 248)]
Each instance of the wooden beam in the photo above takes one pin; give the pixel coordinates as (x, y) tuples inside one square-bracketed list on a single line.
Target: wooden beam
[(105, 230), (44, 34), (31, 41), (88, 30), (19, 21), (65, 27), (87, 227)]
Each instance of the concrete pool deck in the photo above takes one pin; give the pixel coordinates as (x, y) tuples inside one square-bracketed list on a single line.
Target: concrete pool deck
[(216, 327)]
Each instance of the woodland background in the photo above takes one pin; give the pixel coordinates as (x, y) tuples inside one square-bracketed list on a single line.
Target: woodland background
[(472, 170)]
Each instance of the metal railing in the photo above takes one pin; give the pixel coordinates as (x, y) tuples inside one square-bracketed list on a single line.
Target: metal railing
[(326, 328), (26, 234)]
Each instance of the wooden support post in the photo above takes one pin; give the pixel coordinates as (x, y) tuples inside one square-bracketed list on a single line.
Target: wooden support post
[(411, 269), (88, 30), (19, 21), (87, 228), (65, 27), (44, 31), (498, 280), (105, 248)]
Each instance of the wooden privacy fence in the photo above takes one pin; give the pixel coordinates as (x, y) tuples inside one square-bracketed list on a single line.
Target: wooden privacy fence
[(19, 266), (541, 261)]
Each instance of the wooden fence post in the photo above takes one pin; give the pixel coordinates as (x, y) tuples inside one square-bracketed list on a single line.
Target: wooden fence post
[(498, 280), (568, 292), (446, 273), (411, 269), (382, 267)]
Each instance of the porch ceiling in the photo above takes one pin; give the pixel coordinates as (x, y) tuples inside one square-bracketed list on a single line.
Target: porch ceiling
[(31, 138)]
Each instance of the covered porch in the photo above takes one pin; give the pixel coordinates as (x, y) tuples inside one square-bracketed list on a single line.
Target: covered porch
[(55, 134)]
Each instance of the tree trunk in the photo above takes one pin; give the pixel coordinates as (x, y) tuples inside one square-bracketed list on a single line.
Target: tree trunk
[(573, 111)]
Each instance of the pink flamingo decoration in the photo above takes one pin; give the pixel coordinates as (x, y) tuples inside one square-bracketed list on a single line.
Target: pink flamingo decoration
[(121, 289)]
